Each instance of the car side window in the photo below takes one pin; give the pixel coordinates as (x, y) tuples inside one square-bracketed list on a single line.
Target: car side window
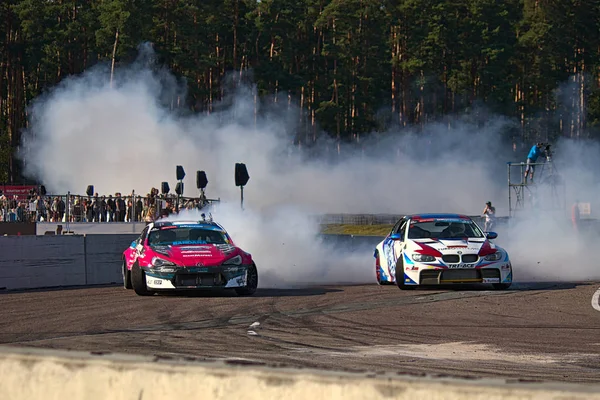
[(396, 226), (399, 227), (142, 236), (402, 229)]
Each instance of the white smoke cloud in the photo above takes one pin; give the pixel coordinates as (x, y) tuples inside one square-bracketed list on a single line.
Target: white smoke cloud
[(285, 246), (125, 137)]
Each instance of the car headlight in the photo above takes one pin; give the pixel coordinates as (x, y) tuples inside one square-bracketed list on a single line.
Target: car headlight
[(494, 257), (237, 260), (422, 258), (161, 262)]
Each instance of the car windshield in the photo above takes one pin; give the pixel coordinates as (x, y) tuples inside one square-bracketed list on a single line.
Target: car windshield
[(444, 229), (175, 235)]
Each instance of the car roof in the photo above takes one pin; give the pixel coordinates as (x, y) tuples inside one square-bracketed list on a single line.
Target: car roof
[(438, 216), (211, 225)]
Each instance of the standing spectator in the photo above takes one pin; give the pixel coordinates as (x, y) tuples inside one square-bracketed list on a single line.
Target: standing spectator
[(54, 210), (13, 202), (3, 207), (69, 208), (129, 210), (103, 209), (61, 207), (121, 208), (96, 208), (20, 212), (89, 210), (40, 209), (77, 211), (489, 213), (139, 208), (110, 208), (152, 209)]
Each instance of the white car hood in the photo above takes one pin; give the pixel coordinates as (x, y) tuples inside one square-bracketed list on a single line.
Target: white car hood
[(451, 246)]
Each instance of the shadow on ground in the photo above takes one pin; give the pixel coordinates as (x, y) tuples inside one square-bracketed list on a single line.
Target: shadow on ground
[(297, 292)]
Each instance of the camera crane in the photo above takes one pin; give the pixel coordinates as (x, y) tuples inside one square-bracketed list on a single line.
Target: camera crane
[(546, 194)]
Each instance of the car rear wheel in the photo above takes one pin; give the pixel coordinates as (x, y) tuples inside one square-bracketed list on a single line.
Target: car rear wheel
[(501, 286), (251, 283), (138, 281), (126, 276), (378, 273)]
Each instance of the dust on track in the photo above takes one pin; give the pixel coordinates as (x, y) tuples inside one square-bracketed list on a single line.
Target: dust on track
[(545, 331)]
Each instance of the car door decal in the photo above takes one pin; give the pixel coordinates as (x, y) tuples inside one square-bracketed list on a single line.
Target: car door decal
[(390, 257)]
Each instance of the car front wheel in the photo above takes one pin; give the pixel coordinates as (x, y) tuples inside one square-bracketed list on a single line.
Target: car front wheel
[(251, 282), (400, 281), (138, 281)]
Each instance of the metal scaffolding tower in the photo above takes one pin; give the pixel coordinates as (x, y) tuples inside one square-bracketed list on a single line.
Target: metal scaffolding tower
[(546, 193)]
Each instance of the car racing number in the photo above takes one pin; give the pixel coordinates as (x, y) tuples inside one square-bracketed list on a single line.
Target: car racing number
[(461, 266)]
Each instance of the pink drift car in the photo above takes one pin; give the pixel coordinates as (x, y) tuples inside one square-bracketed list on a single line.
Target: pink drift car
[(187, 255)]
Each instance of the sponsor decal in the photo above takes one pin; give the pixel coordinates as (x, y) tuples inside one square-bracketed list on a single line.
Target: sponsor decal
[(195, 248), (197, 255), (412, 268), (469, 249), (491, 280), (157, 282), (461, 265), (200, 264), (505, 266)]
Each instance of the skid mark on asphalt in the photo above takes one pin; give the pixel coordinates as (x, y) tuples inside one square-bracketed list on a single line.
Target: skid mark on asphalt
[(596, 300), (248, 318)]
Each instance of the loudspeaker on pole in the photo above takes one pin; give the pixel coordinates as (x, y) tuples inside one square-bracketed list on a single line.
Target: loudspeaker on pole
[(241, 174), (201, 180), (180, 173)]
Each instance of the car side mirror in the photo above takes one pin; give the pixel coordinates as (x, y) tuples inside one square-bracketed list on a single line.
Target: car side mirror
[(491, 235), (396, 236)]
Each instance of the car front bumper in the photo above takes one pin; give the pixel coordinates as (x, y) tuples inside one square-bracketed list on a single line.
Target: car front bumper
[(197, 277), (424, 275)]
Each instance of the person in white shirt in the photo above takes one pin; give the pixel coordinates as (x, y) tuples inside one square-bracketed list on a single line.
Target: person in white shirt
[(489, 212)]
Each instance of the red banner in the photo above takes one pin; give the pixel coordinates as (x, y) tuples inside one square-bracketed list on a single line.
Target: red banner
[(13, 190)]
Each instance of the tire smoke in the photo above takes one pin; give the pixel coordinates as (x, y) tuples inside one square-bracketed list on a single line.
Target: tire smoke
[(127, 137)]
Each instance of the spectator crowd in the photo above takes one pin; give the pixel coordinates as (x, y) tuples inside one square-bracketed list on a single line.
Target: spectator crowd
[(98, 208)]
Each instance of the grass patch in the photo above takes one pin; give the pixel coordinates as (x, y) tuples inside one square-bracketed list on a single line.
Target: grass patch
[(362, 230)]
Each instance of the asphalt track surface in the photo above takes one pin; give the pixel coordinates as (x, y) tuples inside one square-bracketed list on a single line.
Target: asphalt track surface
[(542, 331)]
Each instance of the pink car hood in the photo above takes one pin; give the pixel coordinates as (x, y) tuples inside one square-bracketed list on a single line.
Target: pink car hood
[(193, 255)]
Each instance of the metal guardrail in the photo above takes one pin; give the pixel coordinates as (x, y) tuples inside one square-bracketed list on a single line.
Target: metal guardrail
[(379, 219)]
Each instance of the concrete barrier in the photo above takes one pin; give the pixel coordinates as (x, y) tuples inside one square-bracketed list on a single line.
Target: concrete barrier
[(28, 262), (32, 374), (95, 228), (41, 261), (103, 257)]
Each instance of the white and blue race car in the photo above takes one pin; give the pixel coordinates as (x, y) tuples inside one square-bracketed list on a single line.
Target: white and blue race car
[(439, 249)]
